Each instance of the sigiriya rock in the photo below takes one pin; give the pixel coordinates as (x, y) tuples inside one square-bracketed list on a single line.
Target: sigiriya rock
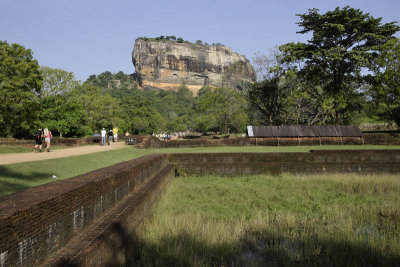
[(167, 64)]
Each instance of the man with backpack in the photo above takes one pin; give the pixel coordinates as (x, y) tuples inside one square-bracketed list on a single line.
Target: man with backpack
[(38, 139)]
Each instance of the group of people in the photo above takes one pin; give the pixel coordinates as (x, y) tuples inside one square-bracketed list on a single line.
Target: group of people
[(112, 136), (167, 136), (39, 135)]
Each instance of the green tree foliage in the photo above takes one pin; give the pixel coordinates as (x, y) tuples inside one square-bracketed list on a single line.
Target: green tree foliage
[(63, 116), (282, 97), (177, 108), (344, 41), (270, 99), (183, 106), (57, 82), (221, 110), (103, 80), (20, 88), (139, 116), (108, 81), (101, 110), (61, 113), (386, 82)]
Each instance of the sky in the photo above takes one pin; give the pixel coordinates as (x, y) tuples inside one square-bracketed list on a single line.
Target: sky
[(92, 36)]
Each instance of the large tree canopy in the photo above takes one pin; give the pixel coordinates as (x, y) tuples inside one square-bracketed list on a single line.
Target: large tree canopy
[(60, 112), (385, 90), (344, 42), (20, 86), (221, 109), (101, 109), (139, 116)]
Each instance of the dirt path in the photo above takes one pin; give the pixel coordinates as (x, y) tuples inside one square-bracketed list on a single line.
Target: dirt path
[(59, 153)]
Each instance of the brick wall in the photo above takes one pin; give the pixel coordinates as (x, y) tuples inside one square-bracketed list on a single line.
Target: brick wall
[(317, 161), (37, 222), (245, 141)]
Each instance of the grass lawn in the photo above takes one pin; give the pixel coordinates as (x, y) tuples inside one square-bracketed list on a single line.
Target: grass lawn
[(16, 177), (5, 149), (317, 220)]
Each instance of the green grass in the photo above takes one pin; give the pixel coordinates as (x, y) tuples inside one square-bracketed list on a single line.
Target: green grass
[(5, 149), (16, 177), (319, 220), (14, 149)]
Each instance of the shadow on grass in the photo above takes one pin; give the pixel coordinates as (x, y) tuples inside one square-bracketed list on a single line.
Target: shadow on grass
[(12, 181), (255, 249)]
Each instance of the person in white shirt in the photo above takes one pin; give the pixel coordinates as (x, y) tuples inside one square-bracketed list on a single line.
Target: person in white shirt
[(103, 137)]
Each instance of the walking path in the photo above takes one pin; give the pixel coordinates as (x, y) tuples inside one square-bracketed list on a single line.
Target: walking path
[(54, 154)]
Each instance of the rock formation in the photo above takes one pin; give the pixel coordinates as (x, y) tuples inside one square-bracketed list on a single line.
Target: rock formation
[(167, 64)]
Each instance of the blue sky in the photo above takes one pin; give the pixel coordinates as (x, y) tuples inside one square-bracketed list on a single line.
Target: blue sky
[(92, 36)]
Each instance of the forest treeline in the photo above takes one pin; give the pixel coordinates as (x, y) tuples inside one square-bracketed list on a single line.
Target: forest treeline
[(348, 72)]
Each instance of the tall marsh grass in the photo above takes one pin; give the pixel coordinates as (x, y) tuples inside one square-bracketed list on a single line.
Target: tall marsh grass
[(319, 220)]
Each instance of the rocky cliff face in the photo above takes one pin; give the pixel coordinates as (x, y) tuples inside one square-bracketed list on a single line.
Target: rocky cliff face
[(169, 64)]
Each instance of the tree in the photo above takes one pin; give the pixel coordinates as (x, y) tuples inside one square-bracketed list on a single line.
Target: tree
[(102, 80), (20, 88), (268, 66), (343, 43), (60, 112), (64, 116), (386, 82), (183, 105), (139, 115), (101, 110), (108, 81), (222, 110), (57, 82), (270, 99)]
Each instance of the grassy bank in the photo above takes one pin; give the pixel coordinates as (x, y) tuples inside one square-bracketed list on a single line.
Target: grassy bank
[(16, 177), (335, 220)]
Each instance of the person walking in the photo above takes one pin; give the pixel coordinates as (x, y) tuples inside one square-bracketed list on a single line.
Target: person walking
[(110, 136), (103, 137), (47, 138), (38, 139)]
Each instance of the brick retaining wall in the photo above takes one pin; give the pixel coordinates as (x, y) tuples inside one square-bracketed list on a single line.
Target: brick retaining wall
[(38, 221), (245, 141), (317, 161)]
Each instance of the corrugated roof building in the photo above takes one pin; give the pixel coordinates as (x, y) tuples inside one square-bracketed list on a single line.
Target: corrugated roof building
[(304, 131)]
